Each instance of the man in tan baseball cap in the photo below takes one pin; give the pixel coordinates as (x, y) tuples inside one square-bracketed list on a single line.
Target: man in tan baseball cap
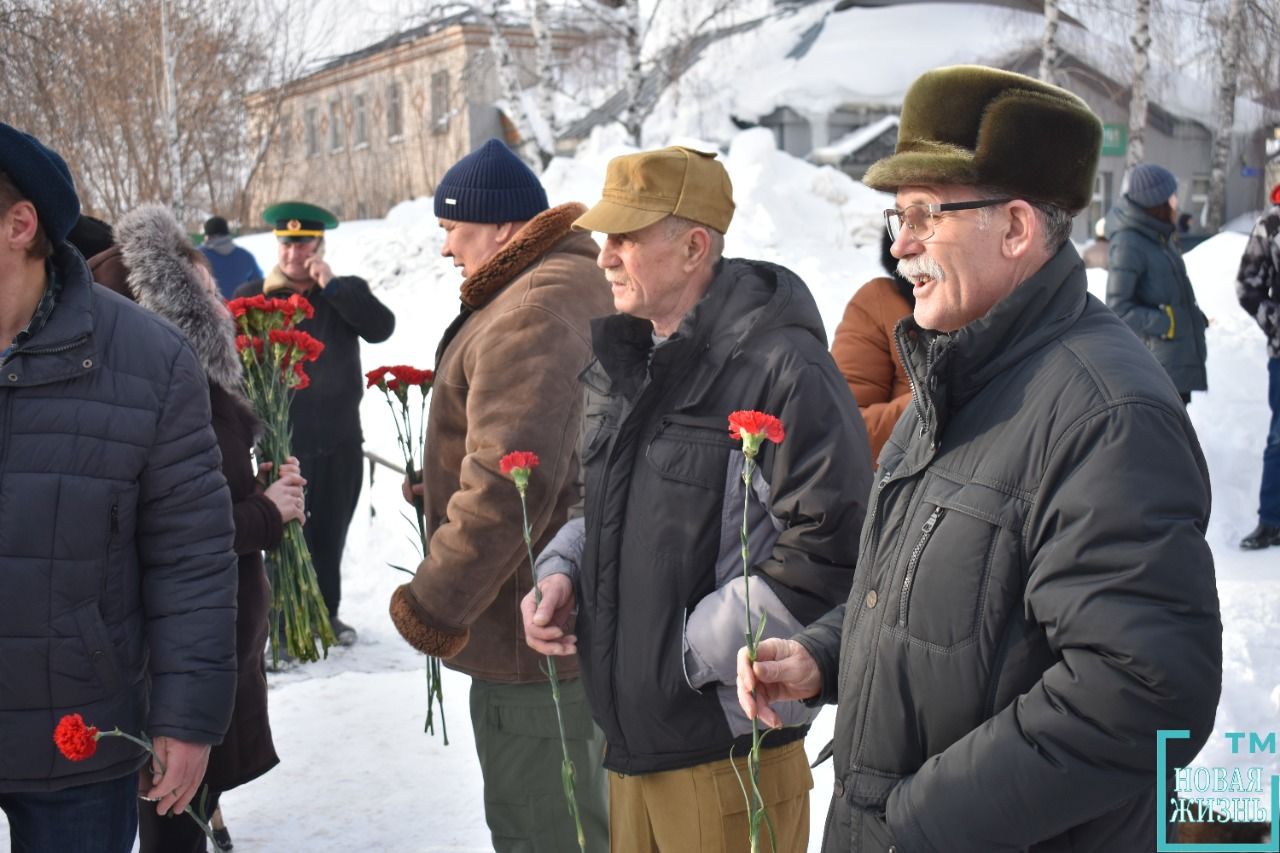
[(655, 566)]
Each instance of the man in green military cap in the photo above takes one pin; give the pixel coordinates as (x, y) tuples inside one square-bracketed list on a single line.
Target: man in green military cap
[(325, 416), (1035, 597)]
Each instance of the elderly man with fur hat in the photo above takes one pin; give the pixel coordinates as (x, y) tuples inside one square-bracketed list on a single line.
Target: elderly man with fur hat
[(507, 379), (117, 574), (1035, 597)]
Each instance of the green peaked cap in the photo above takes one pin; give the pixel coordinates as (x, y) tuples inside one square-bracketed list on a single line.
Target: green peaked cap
[(298, 219)]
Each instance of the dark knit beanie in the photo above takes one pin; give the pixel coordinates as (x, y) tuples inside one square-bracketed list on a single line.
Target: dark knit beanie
[(1151, 185), (490, 184), (216, 226), (43, 179)]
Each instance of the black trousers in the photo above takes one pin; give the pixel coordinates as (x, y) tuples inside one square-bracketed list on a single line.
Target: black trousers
[(174, 833), (333, 488)]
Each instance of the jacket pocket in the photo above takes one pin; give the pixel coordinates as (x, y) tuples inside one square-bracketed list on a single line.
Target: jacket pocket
[(98, 647), (692, 450), (961, 535)]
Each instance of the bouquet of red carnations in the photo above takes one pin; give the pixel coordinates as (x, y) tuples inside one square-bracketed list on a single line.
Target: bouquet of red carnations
[(274, 355), (395, 382)]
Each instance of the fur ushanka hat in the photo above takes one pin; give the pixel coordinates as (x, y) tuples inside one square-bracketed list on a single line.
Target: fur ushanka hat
[(968, 124)]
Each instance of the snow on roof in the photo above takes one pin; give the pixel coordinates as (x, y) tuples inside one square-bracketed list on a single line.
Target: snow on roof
[(870, 56), (836, 152)]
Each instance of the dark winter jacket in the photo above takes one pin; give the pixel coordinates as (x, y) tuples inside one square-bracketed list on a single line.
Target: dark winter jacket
[(1146, 274), (1258, 284), (659, 582), (1035, 596), (506, 379), (326, 415), (115, 540), (151, 249), (232, 265)]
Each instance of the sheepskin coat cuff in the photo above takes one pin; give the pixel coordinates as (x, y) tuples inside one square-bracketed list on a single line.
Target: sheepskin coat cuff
[(411, 621)]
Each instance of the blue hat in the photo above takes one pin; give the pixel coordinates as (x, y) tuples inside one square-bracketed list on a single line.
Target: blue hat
[(490, 185), (43, 178), (1151, 185)]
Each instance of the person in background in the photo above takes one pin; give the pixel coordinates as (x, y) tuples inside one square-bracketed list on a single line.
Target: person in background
[(117, 575), (1147, 283), (653, 568), (507, 379), (1035, 597), (170, 277), (1096, 253), (232, 266), (325, 417), (866, 353), (1258, 288)]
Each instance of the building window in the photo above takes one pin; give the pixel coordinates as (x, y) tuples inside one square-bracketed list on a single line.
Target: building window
[(335, 124), (313, 133), (395, 116), (440, 102), (284, 135), (1101, 201), (1198, 202), (361, 128)]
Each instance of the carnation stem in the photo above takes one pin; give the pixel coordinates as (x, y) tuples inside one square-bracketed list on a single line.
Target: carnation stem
[(146, 744), (566, 765)]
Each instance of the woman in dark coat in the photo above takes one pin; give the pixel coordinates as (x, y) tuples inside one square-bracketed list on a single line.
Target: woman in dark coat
[(168, 275), (1147, 283)]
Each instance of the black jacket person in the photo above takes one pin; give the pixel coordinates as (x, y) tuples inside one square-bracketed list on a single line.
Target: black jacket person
[(325, 416)]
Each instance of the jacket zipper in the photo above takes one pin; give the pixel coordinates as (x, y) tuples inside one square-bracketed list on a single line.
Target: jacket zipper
[(926, 531)]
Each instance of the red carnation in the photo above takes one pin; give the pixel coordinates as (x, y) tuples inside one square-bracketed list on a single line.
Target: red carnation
[(75, 740), (518, 460), (757, 424), (752, 428), (377, 377), (302, 305)]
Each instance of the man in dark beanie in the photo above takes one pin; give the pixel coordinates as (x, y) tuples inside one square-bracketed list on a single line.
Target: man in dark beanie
[(1147, 282), (506, 379), (1035, 598), (232, 266), (117, 575)]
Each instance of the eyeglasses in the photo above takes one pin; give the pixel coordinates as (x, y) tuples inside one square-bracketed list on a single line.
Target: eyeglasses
[(918, 218)]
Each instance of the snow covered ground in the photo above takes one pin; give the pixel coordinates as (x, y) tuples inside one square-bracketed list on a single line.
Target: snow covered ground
[(357, 772)]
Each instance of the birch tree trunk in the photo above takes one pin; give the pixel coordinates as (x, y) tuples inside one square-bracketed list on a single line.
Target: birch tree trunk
[(1141, 42), (178, 194), (543, 62), (1050, 58), (1228, 81), (633, 37)]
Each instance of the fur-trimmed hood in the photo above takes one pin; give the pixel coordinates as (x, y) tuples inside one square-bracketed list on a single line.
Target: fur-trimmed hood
[(165, 281), (530, 243)]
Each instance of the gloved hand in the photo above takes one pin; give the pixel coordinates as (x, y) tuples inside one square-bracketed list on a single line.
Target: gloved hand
[(1168, 309)]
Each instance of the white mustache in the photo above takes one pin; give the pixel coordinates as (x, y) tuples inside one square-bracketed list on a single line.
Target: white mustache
[(919, 267)]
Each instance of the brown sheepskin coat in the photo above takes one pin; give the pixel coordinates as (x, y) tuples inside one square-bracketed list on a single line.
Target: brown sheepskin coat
[(864, 351), (506, 379)]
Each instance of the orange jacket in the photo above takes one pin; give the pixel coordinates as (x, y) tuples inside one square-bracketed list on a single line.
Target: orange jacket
[(866, 354)]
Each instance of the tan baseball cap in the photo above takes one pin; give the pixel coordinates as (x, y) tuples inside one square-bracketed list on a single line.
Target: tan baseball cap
[(640, 189)]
